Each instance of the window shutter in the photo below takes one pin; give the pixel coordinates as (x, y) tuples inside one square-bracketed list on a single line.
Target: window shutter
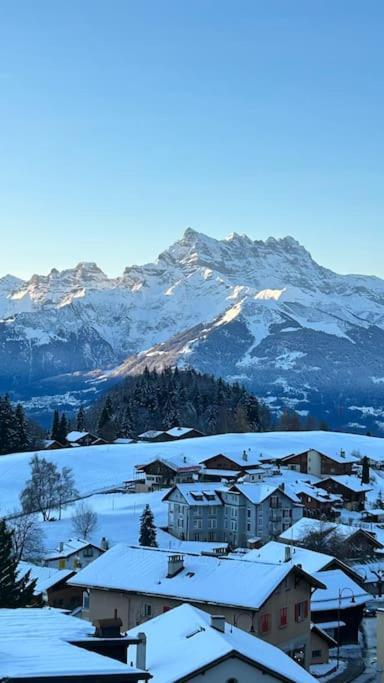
[(305, 608), (297, 612)]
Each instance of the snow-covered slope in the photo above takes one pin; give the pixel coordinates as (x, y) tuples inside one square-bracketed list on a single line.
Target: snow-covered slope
[(101, 467), (261, 312)]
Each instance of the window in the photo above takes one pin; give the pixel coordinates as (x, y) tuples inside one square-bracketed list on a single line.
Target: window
[(234, 526), (287, 512), (301, 610), (287, 586), (283, 617), (212, 523), (274, 501), (316, 654), (265, 623), (197, 523), (248, 526), (85, 600), (88, 551), (233, 512), (147, 609), (248, 513)]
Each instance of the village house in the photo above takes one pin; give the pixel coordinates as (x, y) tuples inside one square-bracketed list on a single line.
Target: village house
[(47, 645), (199, 646), (320, 464), (73, 554), (155, 436), (160, 473), (51, 445), (358, 543), (242, 462), (318, 502), (141, 583), (237, 515), (76, 439), (339, 579), (338, 609), (349, 487), (52, 585), (179, 433)]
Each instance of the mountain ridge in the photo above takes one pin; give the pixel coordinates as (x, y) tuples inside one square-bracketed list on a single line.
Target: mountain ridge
[(251, 310)]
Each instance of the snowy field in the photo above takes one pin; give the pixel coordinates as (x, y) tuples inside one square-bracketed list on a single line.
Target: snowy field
[(99, 467)]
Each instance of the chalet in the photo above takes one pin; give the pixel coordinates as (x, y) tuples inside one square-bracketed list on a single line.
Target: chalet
[(73, 554), (200, 646), (243, 462), (160, 473), (155, 436), (141, 583), (338, 608), (320, 464), (347, 486), (318, 502), (81, 439), (52, 585), (179, 433), (359, 543), (51, 445), (47, 645)]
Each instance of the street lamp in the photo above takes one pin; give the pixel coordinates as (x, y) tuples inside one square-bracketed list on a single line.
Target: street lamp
[(341, 591)]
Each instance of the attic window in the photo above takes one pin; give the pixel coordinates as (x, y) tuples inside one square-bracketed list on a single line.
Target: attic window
[(210, 496), (197, 496), (190, 574)]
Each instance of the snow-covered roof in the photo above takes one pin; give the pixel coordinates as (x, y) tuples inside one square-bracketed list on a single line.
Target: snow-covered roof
[(191, 643), (70, 547), (122, 440), (369, 571), (306, 525), (46, 577), (317, 493), (25, 634), (276, 553), (225, 474), (221, 581), (337, 456), (75, 436), (339, 591), (180, 431), (199, 493), (350, 481), (257, 492), (151, 434)]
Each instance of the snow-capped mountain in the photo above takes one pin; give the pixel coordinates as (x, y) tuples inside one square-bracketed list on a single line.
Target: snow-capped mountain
[(263, 313)]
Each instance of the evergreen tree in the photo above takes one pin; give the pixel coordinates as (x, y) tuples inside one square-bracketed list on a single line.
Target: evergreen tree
[(63, 429), (147, 528), (14, 592), (365, 471), (80, 420), (22, 436), (8, 440), (55, 429)]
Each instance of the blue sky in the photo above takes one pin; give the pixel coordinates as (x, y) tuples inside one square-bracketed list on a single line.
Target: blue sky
[(122, 123)]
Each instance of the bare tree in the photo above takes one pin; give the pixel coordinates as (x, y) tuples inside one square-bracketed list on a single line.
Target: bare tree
[(48, 488), (84, 520), (27, 536)]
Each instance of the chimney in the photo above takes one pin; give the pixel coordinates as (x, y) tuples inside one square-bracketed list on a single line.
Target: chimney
[(108, 628), (282, 486), (175, 565), (218, 622), (104, 543), (287, 554), (61, 546), (245, 455), (141, 652)]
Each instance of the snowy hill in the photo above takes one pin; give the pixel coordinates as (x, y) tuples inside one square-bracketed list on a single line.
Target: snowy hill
[(263, 313), (97, 468)]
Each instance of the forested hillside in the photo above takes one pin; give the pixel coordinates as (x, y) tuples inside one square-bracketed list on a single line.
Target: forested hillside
[(173, 397)]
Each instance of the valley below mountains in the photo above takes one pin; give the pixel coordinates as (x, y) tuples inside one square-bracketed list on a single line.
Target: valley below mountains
[(262, 313)]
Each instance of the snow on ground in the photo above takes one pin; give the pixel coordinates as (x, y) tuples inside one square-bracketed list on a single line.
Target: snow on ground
[(99, 467), (118, 518)]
